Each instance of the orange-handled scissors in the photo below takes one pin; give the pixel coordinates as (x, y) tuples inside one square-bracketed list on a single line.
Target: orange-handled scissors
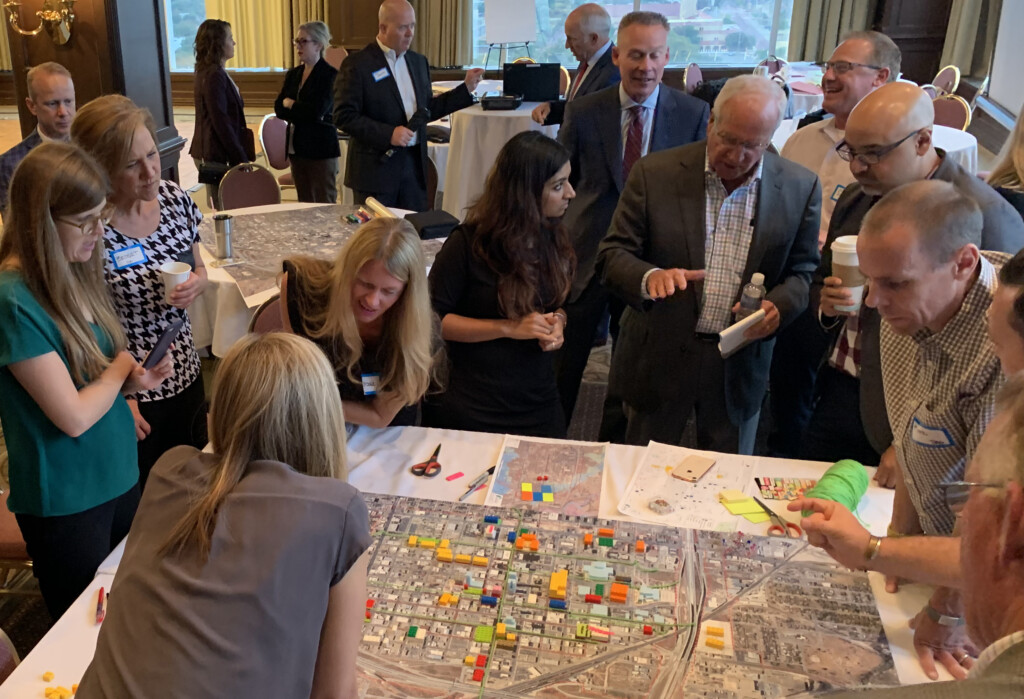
[(779, 526), (429, 468)]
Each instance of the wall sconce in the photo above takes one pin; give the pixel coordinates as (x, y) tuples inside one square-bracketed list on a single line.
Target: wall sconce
[(57, 16)]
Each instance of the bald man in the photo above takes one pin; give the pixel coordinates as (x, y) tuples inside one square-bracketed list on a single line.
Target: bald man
[(587, 35), (377, 94), (888, 143)]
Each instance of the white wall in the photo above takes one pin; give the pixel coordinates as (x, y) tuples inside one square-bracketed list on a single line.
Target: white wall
[(1007, 86)]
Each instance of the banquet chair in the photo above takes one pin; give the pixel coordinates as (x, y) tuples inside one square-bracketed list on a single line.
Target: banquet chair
[(432, 178), (947, 80), (273, 141), (776, 67), (931, 91), (8, 656), (269, 317), (692, 77), (14, 558), (524, 59), (952, 111), (334, 55), (248, 184), (564, 81)]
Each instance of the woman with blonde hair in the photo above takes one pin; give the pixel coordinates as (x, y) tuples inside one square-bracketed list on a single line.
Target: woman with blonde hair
[(250, 561), (1007, 177), (151, 222), (63, 372), (306, 102), (369, 311)]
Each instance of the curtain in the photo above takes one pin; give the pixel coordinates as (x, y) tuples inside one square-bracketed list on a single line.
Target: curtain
[(307, 11), (262, 31), (971, 36), (444, 31), (817, 26)]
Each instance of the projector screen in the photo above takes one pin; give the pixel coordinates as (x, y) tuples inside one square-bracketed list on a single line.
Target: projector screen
[(1007, 88)]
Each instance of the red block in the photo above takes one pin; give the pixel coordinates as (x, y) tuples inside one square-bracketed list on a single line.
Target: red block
[(367, 613), (648, 631), (592, 599), (481, 661), (478, 675), (369, 604)]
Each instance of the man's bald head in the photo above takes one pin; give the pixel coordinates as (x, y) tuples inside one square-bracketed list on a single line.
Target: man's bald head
[(397, 20), (900, 113), (587, 29)]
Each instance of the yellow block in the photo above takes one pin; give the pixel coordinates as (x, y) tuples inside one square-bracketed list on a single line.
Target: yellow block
[(445, 543), (47, 676), (444, 555), (559, 581), (444, 599), (716, 631), (500, 629), (510, 637), (463, 558), (715, 643), (413, 540), (428, 544), (479, 560), (470, 660)]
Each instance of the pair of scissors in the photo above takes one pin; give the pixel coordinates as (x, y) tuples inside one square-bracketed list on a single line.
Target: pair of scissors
[(779, 526), (429, 468)]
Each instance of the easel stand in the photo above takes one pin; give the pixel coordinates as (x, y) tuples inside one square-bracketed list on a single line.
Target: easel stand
[(503, 49)]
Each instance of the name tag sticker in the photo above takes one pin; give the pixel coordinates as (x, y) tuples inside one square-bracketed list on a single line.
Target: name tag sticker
[(128, 257), (838, 192), (933, 437), (379, 75), (371, 382)]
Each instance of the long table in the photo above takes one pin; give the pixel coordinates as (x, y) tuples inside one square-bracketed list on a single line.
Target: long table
[(379, 462)]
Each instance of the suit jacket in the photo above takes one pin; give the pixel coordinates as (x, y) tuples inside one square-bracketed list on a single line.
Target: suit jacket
[(659, 222), (9, 162), (593, 134), (1002, 679), (313, 134), (603, 74), (368, 110), (1002, 231), (220, 134)]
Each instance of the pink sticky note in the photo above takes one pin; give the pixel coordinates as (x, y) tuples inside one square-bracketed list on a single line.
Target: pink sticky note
[(452, 477)]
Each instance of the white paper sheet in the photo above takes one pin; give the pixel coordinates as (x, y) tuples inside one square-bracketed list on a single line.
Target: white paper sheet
[(731, 339)]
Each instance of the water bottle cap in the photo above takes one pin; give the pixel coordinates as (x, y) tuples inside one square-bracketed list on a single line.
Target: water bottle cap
[(757, 279)]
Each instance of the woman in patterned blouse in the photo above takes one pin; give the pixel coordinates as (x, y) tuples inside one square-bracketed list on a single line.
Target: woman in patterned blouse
[(152, 222)]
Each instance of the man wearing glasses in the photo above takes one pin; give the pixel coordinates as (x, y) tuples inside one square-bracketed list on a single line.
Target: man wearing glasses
[(888, 143)]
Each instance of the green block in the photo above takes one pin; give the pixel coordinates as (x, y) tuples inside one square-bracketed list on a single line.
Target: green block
[(524, 530), (475, 591), (483, 634), (412, 631), (605, 541), (599, 589)]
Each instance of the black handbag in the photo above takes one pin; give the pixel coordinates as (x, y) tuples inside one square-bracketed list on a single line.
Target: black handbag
[(432, 224), (211, 172)]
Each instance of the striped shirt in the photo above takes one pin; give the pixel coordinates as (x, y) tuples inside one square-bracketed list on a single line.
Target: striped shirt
[(993, 651), (940, 393), (728, 230)]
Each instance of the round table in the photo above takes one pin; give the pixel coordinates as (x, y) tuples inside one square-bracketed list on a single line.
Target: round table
[(477, 137)]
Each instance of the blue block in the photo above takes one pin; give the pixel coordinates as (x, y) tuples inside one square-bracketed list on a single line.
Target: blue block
[(491, 519), (546, 489), (538, 497), (557, 604), (488, 601), (511, 536)]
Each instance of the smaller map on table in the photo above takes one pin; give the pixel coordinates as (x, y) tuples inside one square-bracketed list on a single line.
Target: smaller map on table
[(551, 475)]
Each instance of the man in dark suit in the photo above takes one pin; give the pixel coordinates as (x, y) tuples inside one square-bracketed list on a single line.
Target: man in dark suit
[(587, 29), (51, 99), (721, 209), (383, 100), (596, 132)]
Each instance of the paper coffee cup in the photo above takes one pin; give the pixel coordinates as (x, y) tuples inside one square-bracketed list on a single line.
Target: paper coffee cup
[(845, 265), (173, 273)]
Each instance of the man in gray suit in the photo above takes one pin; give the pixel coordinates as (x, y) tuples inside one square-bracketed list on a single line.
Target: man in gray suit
[(596, 132), (721, 209), (587, 31)]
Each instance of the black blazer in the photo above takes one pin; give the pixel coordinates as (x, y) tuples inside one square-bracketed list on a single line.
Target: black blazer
[(368, 109), (313, 134), (592, 132), (220, 134), (603, 74)]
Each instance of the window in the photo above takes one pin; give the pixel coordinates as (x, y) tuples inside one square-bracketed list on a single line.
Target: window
[(183, 18), (706, 32)]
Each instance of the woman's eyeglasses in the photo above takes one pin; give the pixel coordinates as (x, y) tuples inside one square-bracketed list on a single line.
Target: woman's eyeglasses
[(87, 226), (302, 42)]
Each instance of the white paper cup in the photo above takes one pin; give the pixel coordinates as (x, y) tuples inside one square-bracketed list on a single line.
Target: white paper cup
[(845, 265), (173, 273)]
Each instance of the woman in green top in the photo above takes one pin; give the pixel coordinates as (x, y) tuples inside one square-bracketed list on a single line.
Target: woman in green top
[(63, 369)]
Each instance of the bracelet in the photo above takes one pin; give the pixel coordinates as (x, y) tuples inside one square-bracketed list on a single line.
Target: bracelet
[(873, 549), (564, 317), (942, 619)]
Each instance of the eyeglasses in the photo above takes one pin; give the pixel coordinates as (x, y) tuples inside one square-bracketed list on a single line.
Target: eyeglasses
[(733, 142), (87, 226), (303, 42), (841, 67), (870, 157), (957, 492)]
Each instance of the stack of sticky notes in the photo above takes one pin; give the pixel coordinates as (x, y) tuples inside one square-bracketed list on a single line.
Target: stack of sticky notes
[(739, 503)]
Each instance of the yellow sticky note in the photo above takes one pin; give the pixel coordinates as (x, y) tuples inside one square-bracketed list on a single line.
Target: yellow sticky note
[(732, 496), (743, 507), (756, 517)]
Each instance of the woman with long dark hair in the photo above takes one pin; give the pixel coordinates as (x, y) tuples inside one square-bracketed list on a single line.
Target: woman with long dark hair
[(498, 285)]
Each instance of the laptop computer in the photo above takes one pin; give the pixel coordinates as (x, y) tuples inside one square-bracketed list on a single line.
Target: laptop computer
[(536, 82)]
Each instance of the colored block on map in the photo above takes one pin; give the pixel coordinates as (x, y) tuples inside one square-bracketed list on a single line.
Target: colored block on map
[(716, 631), (648, 631), (619, 592), (588, 539), (534, 545), (463, 558), (527, 487), (479, 560), (557, 604), (478, 675), (640, 546), (444, 600), (605, 531), (538, 497), (470, 660), (413, 540), (599, 589), (492, 519), (445, 544), (546, 489), (716, 643), (592, 599), (370, 603), (500, 629), (411, 633), (444, 555), (527, 495), (428, 543), (483, 634), (528, 536), (559, 581), (548, 497), (511, 537), (488, 601), (605, 541), (481, 661), (582, 630)]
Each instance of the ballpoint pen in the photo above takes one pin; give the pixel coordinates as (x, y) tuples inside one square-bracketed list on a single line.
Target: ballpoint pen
[(482, 478)]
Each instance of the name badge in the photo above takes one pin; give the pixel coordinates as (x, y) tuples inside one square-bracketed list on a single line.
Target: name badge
[(838, 191), (128, 257), (371, 382), (932, 437), (379, 75)]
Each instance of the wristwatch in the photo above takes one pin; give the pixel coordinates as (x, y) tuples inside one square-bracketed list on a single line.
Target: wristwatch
[(942, 619)]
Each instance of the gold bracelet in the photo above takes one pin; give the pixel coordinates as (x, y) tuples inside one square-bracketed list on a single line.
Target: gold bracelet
[(873, 549)]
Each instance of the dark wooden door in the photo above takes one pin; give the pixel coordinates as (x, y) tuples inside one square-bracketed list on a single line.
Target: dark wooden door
[(919, 28)]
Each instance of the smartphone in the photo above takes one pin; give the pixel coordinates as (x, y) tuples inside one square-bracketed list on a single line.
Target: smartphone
[(162, 345)]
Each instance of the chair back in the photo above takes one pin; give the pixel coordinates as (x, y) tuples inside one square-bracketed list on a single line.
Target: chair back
[(8, 656), (930, 91), (248, 184), (431, 184), (947, 80), (952, 111), (334, 55), (564, 81), (524, 59), (692, 77), (776, 66), (12, 544), (273, 141), (269, 317)]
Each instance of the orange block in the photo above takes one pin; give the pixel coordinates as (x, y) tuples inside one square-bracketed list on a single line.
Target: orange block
[(527, 495), (588, 539), (520, 543), (534, 545), (530, 537), (604, 531), (619, 592), (640, 546)]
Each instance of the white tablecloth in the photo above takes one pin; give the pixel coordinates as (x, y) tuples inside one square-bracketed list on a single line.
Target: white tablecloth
[(379, 461), (477, 137)]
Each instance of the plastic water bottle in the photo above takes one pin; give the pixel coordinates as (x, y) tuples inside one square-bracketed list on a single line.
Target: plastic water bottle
[(753, 294)]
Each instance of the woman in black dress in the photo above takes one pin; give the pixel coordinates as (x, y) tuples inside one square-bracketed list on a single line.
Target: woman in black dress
[(498, 285)]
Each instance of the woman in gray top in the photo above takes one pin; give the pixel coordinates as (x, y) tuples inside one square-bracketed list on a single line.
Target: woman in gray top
[(245, 570)]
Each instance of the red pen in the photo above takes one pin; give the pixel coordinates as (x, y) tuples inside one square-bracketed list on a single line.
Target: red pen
[(101, 606)]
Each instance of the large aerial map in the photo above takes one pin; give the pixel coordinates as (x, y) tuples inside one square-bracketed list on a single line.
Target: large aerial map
[(477, 601)]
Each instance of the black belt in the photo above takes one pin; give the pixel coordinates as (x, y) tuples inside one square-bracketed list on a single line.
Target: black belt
[(707, 337)]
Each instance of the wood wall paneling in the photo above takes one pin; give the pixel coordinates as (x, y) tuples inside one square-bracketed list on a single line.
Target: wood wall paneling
[(918, 27), (353, 23)]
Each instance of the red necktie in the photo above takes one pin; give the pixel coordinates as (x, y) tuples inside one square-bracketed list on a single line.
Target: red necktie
[(579, 79), (634, 140)]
